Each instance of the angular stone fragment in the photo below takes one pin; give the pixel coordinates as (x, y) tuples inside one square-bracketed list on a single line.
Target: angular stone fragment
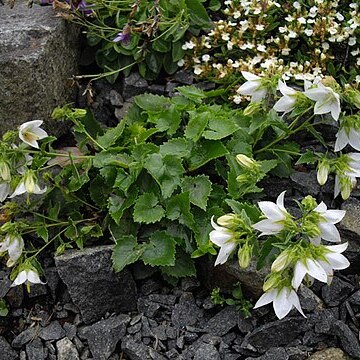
[(329, 354), (38, 55), (35, 350), (93, 285), (6, 352), (66, 350), (222, 322), (104, 335)]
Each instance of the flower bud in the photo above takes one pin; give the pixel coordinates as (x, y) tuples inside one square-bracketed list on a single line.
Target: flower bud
[(271, 282), (323, 171), (5, 171), (244, 255), (281, 262), (252, 108), (245, 161), (29, 181), (226, 220), (309, 203), (352, 96)]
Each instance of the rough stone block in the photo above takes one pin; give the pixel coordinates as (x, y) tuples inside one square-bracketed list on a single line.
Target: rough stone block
[(93, 285), (38, 57)]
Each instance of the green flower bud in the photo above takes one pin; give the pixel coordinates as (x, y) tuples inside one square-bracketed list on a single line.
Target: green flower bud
[(227, 220), (309, 203), (281, 262), (246, 161), (5, 171), (252, 108), (352, 96), (29, 181), (323, 171), (244, 255)]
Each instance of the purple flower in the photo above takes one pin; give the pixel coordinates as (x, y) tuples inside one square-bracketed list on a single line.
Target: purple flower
[(83, 6), (123, 37)]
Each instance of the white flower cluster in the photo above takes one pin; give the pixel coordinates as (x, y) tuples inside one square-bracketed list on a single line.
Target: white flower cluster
[(262, 38), (304, 257)]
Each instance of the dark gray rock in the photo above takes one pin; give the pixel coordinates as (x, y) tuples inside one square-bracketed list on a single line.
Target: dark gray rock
[(15, 296), (138, 351), (94, 278), (186, 312), (163, 299), (104, 335), (53, 331), (147, 307), (6, 352), (35, 350), (115, 98), (305, 182), (120, 113), (298, 353), (272, 354), (52, 280), (66, 350), (206, 352), (309, 300), (134, 85), (157, 89), (25, 336), (337, 292), (184, 77), (70, 330), (190, 284), (35, 46), (351, 220), (5, 283), (323, 320), (37, 290), (275, 334), (222, 322), (349, 341)]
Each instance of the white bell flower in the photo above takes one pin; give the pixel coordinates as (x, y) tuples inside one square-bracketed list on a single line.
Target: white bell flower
[(326, 221), (287, 102), (30, 132), (29, 185), (347, 136), (283, 301), (327, 100), (224, 238), (5, 190), (252, 87), (28, 277), (275, 214), (14, 245)]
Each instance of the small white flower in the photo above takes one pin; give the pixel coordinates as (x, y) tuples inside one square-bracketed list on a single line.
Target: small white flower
[(253, 87), (288, 101), (297, 5), (327, 219), (308, 32), (259, 27), (205, 58), (352, 41), (28, 184), (327, 100), (30, 132), (14, 245), (275, 215), (181, 62), (198, 70), (28, 277), (283, 301), (347, 136), (310, 267), (224, 238)]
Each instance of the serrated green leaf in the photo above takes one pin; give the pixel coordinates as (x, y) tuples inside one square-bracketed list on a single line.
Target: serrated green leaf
[(112, 157), (178, 147), (91, 231), (178, 208), (167, 120), (204, 151), (166, 170), (99, 190), (42, 232), (197, 124), (199, 188), (111, 135), (160, 251), (147, 209), (192, 93), (251, 210), (79, 175), (184, 266), (220, 128), (125, 252), (118, 204), (151, 102), (307, 158)]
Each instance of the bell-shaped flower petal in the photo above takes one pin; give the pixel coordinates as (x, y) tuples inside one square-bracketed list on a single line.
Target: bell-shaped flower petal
[(288, 101), (28, 277), (326, 100), (30, 132), (347, 136), (252, 87), (5, 191)]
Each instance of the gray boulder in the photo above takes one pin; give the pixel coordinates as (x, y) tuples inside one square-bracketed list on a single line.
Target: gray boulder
[(38, 55), (93, 285)]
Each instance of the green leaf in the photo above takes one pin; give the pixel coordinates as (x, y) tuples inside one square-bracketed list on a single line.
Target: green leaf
[(3, 308), (125, 252), (198, 14), (125, 179), (179, 147), (112, 157), (184, 266), (219, 128), (192, 93), (197, 124), (118, 204), (177, 51), (151, 102), (93, 231), (307, 158), (238, 207), (204, 151), (147, 210), (166, 170), (167, 120), (160, 251), (43, 232), (199, 188), (215, 5), (111, 135), (99, 191), (178, 208), (79, 175)]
